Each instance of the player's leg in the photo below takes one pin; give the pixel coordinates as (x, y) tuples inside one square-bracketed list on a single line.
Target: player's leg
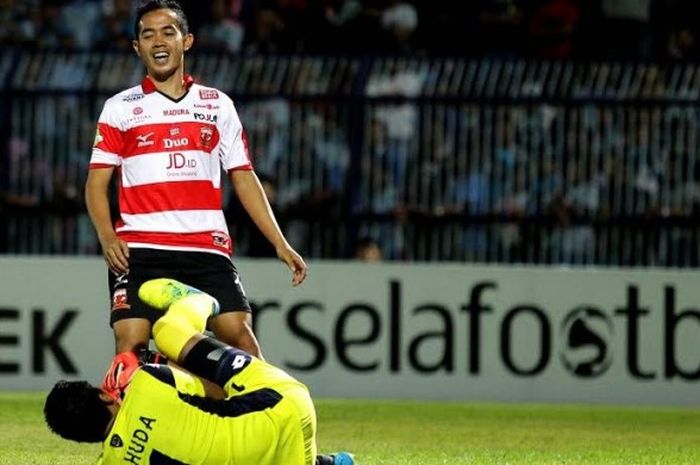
[(130, 318), (131, 334), (235, 328), (178, 333), (217, 276)]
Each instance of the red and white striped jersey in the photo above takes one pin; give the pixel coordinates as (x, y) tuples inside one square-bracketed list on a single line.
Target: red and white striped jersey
[(169, 155)]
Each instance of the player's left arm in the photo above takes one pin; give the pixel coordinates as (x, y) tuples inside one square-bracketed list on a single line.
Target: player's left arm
[(236, 161), (252, 196)]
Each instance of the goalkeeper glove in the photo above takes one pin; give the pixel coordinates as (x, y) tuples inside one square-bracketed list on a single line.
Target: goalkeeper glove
[(119, 374)]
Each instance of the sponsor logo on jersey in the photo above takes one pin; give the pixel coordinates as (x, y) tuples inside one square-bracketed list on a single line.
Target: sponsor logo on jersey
[(145, 139), (171, 143), (205, 117), (206, 134), (177, 161), (207, 106), (120, 300), (208, 94), (220, 239), (174, 132), (132, 97), (98, 137), (138, 118), (176, 112), (137, 110)]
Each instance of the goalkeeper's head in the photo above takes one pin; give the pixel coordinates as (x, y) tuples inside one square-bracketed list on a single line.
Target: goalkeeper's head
[(78, 411)]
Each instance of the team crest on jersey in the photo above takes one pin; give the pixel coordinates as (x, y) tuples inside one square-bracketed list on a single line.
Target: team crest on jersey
[(220, 239), (208, 94), (116, 441), (206, 134), (120, 300), (98, 137)]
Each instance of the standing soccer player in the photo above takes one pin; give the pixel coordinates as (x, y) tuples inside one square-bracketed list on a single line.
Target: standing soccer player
[(168, 139)]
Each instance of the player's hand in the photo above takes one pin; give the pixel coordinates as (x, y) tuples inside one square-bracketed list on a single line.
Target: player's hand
[(116, 254), (295, 263), (119, 374)]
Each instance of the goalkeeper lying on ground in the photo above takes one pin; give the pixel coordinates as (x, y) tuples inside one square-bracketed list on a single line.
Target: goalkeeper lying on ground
[(241, 411)]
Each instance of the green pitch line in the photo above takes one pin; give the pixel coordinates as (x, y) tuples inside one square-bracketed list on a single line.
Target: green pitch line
[(423, 433)]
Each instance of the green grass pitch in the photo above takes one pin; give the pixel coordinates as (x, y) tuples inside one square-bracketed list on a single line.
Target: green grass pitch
[(425, 433)]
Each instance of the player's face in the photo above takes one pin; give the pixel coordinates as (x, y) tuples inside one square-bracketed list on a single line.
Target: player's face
[(160, 43)]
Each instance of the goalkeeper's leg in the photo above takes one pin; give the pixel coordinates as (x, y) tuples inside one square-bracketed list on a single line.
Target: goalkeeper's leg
[(178, 333), (187, 310)]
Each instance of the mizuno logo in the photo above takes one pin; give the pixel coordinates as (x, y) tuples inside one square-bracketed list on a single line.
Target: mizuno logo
[(144, 139), (121, 280)]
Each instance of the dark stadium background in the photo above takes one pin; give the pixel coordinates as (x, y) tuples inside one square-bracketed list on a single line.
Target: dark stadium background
[(490, 131)]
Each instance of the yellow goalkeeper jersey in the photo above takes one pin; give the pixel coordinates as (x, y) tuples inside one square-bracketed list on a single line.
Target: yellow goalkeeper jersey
[(267, 419)]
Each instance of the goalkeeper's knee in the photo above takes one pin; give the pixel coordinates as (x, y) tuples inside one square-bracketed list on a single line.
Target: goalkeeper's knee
[(184, 319)]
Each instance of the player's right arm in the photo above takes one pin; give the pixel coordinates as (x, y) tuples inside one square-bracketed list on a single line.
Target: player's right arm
[(115, 251), (106, 155)]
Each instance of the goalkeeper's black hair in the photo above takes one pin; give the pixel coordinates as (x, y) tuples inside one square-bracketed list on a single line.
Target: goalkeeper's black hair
[(74, 410), (152, 5)]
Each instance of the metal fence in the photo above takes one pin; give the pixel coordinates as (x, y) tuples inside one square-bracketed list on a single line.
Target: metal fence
[(451, 159)]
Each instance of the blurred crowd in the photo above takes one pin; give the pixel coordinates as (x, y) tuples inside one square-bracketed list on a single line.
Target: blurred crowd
[(586, 175), (578, 29)]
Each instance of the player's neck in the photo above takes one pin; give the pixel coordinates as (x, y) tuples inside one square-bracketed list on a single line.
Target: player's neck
[(174, 86)]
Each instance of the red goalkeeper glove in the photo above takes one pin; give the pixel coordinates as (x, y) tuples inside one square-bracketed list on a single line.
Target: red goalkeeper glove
[(119, 374), (122, 369)]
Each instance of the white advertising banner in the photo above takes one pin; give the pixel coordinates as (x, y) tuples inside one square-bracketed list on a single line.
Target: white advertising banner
[(424, 331)]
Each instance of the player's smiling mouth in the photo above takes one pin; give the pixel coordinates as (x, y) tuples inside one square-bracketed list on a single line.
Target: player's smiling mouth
[(161, 58)]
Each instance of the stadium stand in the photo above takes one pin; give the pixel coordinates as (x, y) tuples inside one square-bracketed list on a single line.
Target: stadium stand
[(545, 155)]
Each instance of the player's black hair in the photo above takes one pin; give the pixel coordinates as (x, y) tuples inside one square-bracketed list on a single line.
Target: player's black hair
[(74, 410), (152, 5)]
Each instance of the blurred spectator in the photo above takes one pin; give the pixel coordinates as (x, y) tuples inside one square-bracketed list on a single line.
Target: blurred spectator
[(399, 79), (300, 20), (626, 29), (268, 32), (223, 32), (267, 124), (368, 250), (52, 30), (115, 30), (342, 12), (551, 25), (343, 26), (16, 26), (500, 26), (400, 20), (81, 17)]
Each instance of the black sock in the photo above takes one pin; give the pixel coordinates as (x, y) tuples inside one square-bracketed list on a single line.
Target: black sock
[(324, 460)]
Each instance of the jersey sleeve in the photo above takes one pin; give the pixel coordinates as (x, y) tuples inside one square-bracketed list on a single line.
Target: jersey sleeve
[(107, 149), (182, 381), (233, 142)]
